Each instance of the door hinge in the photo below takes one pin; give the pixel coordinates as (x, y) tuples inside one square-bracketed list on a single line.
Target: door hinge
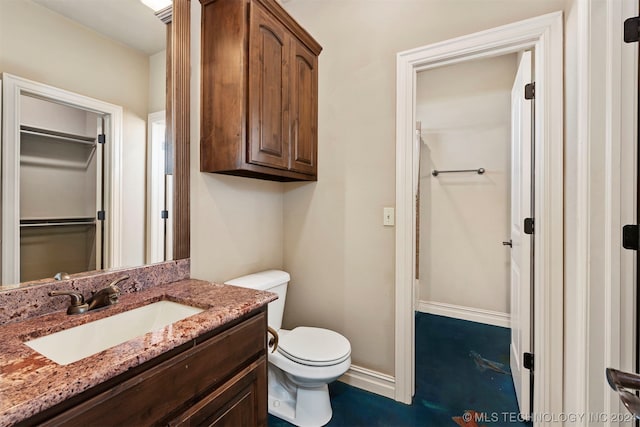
[(102, 138), (528, 225), (101, 215), (632, 30), (530, 90), (164, 214), (631, 237), (527, 361)]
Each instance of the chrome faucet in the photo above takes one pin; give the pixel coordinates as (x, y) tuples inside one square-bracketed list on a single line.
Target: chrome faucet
[(106, 296)]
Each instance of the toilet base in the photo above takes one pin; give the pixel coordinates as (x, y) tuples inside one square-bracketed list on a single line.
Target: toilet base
[(301, 406)]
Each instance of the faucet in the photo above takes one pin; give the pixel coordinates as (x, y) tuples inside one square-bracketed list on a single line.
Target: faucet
[(106, 296), (77, 306), (102, 298)]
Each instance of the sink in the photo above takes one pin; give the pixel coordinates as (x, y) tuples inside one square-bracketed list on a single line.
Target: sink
[(76, 343)]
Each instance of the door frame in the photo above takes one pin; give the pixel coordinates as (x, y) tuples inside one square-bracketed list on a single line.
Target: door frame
[(156, 189), (14, 86), (544, 34), (600, 199)]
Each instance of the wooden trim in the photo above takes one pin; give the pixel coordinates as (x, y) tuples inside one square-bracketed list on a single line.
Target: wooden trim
[(405, 233), (472, 314), (613, 313), (600, 278), (165, 15), (370, 380), (279, 13), (11, 181), (577, 283), (548, 310), (178, 111), (624, 118)]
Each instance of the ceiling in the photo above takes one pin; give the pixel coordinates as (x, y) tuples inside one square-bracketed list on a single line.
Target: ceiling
[(127, 21)]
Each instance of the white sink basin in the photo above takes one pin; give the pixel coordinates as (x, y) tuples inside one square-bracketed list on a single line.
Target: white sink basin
[(76, 343)]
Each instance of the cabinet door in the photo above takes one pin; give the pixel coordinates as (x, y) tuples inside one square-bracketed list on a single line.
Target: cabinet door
[(241, 401), (268, 127), (304, 109)]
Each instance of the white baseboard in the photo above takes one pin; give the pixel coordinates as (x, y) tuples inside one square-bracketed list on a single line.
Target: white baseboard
[(488, 317), (373, 381)]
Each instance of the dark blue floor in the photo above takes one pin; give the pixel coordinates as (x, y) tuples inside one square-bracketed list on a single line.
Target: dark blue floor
[(460, 366)]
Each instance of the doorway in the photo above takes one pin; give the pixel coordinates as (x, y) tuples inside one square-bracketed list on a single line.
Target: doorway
[(544, 35), (475, 188), (464, 111), (27, 148), (159, 191)]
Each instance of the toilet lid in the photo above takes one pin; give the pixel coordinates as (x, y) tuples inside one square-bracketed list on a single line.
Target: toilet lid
[(314, 346)]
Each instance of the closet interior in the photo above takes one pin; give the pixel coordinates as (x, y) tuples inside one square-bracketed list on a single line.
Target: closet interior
[(61, 189)]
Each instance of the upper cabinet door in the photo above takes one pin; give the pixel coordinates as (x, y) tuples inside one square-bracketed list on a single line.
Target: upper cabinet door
[(259, 92), (268, 119), (304, 109)]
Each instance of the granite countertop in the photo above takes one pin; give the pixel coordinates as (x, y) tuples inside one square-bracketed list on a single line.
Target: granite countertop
[(31, 383)]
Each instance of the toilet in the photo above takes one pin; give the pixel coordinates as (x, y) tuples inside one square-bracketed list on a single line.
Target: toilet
[(305, 361)]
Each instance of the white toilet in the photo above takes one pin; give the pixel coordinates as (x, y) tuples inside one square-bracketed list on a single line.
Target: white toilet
[(306, 360)]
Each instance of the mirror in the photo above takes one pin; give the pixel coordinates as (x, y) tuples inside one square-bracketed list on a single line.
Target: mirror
[(64, 44)]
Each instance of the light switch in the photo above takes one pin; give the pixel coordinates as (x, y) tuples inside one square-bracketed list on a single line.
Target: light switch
[(389, 217)]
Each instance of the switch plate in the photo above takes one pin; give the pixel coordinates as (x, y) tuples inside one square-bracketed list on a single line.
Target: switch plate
[(389, 217)]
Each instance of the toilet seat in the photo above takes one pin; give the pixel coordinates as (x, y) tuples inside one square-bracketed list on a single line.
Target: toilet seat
[(314, 346)]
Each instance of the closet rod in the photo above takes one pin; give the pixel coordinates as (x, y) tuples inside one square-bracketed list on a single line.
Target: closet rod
[(45, 223), (479, 171), (78, 139)]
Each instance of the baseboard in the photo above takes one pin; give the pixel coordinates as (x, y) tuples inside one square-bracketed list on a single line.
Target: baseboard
[(488, 317), (372, 381)]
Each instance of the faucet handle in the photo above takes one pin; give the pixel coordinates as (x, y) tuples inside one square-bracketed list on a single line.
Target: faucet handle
[(77, 301), (116, 281)]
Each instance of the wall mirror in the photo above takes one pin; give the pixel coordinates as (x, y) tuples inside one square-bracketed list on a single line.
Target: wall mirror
[(95, 153)]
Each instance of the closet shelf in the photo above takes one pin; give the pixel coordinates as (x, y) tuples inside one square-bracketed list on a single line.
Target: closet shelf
[(39, 151), (54, 222), (56, 163), (61, 136)]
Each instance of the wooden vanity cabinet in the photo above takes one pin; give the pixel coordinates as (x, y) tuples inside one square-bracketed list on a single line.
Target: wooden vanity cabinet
[(217, 381), (259, 92)]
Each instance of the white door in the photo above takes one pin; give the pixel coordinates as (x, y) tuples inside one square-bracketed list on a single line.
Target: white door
[(521, 242)]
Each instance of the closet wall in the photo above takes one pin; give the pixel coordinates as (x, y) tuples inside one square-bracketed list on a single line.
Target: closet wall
[(464, 217), (59, 178)]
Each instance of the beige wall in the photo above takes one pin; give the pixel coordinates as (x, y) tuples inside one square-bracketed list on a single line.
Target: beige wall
[(157, 81), (236, 223), (340, 255), (465, 111), (43, 46)]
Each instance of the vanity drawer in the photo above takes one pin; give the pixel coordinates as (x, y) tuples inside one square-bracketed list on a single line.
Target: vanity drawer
[(238, 402), (173, 387)]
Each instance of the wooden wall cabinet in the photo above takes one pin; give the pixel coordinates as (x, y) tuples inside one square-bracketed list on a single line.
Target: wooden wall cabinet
[(218, 380), (259, 92)]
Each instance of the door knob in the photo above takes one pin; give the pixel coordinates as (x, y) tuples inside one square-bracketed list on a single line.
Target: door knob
[(509, 243)]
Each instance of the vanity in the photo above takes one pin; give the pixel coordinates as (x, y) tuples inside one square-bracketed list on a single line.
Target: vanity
[(209, 368)]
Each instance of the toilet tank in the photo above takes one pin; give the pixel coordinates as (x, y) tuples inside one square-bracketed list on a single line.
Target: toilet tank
[(275, 281)]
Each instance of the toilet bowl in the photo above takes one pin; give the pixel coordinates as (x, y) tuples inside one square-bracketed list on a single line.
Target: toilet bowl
[(306, 360)]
